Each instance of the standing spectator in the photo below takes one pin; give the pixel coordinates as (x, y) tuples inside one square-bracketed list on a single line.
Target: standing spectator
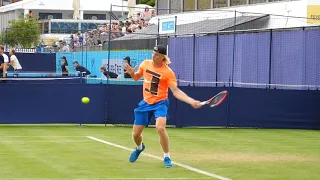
[(84, 71), (64, 66), (146, 14), (14, 62), (30, 14), (127, 61), (5, 62), (1, 69)]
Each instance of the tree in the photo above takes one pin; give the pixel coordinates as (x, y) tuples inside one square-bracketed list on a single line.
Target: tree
[(24, 32), (149, 2)]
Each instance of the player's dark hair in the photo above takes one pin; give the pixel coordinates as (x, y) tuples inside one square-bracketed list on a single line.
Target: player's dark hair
[(1, 47)]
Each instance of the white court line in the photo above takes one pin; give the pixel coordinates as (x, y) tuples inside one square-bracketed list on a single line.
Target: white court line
[(160, 158), (181, 178), (42, 141), (40, 136)]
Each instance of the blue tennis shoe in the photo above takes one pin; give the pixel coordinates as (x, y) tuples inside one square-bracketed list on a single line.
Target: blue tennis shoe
[(167, 162), (135, 154)]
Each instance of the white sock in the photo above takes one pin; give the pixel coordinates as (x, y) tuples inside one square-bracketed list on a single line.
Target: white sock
[(139, 147), (167, 155)]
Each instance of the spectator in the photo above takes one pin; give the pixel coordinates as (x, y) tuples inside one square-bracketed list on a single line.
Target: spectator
[(108, 74), (30, 14), (146, 14), (84, 71), (127, 60), (64, 66), (1, 69), (5, 62), (63, 48), (14, 62)]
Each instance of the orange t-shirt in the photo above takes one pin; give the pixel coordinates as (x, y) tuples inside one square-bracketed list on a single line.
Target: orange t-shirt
[(157, 81)]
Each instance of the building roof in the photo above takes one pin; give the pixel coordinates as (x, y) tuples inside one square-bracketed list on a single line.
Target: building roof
[(86, 5), (205, 26)]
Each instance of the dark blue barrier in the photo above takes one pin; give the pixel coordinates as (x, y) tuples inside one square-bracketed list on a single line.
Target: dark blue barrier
[(37, 62), (187, 116), (51, 103), (45, 80), (270, 108), (61, 103)]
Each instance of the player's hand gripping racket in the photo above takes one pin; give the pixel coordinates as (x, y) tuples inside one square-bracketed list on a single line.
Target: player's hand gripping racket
[(216, 100)]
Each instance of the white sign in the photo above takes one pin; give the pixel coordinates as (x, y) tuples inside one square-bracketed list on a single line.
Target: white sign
[(116, 65), (167, 25)]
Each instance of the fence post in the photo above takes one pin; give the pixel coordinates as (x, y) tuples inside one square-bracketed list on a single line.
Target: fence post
[(158, 34), (228, 104), (6, 39), (217, 58), (109, 49), (234, 45), (194, 61), (270, 59)]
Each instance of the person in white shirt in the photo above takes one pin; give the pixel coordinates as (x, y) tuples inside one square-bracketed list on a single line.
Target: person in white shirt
[(14, 62), (5, 64)]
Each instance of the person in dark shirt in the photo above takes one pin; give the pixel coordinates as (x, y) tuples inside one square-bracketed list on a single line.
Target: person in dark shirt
[(81, 69), (64, 66), (108, 74), (127, 60), (1, 68)]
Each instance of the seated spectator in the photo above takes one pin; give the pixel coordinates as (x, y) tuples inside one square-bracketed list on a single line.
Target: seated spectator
[(63, 47), (108, 74), (14, 62)]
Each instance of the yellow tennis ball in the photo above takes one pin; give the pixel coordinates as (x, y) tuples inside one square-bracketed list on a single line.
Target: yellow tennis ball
[(85, 100)]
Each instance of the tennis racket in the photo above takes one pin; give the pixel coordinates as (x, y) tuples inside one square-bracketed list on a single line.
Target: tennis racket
[(216, 100)]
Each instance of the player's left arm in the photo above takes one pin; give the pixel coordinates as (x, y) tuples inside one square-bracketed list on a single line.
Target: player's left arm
[(179, 94)]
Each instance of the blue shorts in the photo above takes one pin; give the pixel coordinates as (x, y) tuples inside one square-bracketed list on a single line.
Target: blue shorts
[(147, 112)]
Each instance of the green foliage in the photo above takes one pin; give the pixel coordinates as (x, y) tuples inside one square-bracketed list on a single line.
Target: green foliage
[(24, 32), (149, 2)]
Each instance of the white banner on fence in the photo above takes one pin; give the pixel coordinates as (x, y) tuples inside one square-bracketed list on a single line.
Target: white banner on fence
[(167, 25), (116, 65)]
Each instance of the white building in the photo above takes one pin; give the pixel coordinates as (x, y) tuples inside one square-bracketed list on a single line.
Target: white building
[(97, 10)]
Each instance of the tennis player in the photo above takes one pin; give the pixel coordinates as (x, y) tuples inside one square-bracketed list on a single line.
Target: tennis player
[(158, 78)]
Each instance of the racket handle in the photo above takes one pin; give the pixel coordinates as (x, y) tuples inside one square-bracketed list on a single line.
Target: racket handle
[(203, 103)]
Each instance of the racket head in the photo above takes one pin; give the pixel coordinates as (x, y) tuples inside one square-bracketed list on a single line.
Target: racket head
[(217, 99)]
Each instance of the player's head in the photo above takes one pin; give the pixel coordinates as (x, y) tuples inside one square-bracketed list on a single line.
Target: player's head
[(160, 54), (12, 51), (1, 49)]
